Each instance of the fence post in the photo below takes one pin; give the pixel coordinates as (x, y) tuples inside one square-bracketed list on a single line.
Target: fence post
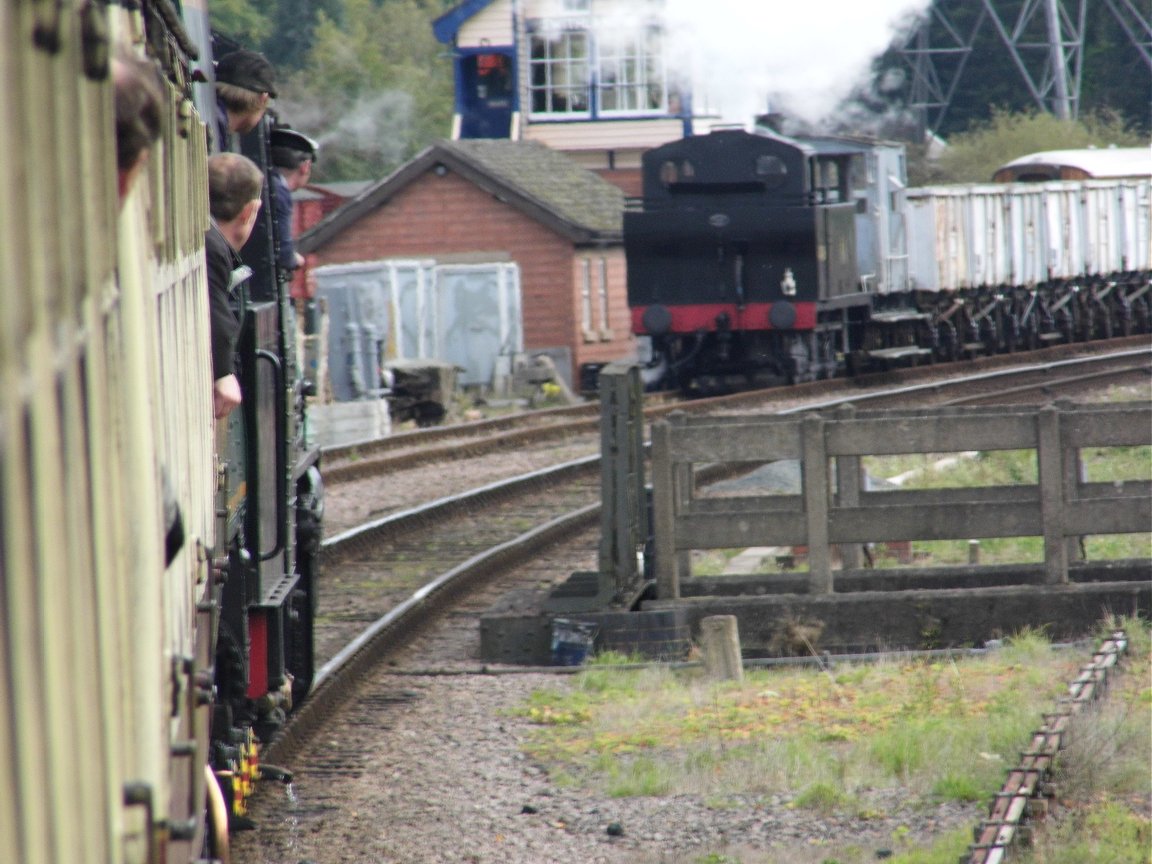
[(849, 479), (624, 515), (1050, 460), (1074, 475), (664, 513), (815, 479), (683, 488)]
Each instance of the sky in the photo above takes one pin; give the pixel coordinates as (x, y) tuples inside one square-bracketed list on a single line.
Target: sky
[(799, 56)]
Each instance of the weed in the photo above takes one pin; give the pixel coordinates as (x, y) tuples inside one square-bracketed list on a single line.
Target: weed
[(823, 797)]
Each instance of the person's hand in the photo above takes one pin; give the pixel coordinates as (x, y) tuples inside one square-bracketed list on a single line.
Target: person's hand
[(225, 395)]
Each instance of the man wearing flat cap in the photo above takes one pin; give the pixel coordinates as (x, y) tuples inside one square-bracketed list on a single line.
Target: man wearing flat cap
[(292, 156), (245, 81)]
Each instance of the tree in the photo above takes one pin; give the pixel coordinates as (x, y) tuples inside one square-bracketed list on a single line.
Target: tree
[(292, 29), (972, 157), (241, 20), (376, 88)]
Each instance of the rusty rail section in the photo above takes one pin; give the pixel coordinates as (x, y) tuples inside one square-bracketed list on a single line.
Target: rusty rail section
[(1026, 789)]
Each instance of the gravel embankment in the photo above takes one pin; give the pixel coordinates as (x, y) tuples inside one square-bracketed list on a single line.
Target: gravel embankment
[(449, 783)]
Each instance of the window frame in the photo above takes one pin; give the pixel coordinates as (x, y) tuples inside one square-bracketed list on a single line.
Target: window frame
[(630, 57)]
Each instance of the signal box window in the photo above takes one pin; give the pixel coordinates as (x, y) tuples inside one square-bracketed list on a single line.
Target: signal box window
[(560, 72), (580, 70), (631, 73)]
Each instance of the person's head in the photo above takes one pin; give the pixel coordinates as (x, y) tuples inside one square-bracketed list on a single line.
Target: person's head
[(293, 154), (235, 184), (245, 81), (139, 100)]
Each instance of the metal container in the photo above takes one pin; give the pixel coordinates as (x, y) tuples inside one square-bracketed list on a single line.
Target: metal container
[(1025, 233)]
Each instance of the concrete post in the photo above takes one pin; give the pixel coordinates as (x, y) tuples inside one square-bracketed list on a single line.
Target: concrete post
[(720, 642), (624, 516), (665, 505), (815, 478), (849, 480), (1050, 459), (684, 487)]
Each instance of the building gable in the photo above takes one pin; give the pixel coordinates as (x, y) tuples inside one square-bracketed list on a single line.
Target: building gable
[(542, 184)]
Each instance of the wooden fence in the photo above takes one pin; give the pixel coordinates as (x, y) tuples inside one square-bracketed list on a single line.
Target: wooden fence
[(834, 507)]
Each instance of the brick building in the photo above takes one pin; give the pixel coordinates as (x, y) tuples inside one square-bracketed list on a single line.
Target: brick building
[(492, 201)]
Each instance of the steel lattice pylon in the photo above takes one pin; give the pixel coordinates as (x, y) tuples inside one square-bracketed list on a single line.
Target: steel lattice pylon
[(1045, 39)]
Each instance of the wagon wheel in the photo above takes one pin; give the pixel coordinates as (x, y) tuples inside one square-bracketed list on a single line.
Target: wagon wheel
[(1141, 319), (989, 335), (1124, 315), (1107, 328), (948, 341), (1066, 322), (1013, 333)]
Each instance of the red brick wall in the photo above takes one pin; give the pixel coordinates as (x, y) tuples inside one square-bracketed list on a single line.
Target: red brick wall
[(593, 346), (438, 216), (629, 180)]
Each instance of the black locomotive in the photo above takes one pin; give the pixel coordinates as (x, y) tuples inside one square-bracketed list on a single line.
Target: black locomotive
[(271, 506), (741, 263)]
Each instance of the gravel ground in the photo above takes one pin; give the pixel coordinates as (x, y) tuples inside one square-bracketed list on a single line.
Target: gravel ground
[(449, 783), (354, 502)]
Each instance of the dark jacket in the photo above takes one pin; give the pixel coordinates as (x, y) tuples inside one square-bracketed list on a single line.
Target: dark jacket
[(221, 260), (282, 202)]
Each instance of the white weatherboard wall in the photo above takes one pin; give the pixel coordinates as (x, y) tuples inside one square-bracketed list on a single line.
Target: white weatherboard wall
[(468, 315)]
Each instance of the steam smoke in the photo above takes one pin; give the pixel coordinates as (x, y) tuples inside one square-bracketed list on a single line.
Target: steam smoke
[(800, 56)]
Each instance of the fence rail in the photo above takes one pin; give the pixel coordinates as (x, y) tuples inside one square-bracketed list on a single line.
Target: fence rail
[(835, 507)]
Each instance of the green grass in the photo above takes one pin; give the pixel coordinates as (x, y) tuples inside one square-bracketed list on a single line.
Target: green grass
[(1108, 833), (912, 724), (1012, 468), (824, 741)]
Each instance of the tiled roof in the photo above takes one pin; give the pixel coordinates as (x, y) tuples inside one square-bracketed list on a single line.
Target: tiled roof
[(540, 182), (551, 178)]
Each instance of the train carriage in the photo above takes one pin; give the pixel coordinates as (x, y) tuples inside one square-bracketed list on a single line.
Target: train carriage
[(132, 531), (105, 363)]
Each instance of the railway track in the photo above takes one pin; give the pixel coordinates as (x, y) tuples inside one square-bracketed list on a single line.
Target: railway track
[(434, 568), (578, 425)]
